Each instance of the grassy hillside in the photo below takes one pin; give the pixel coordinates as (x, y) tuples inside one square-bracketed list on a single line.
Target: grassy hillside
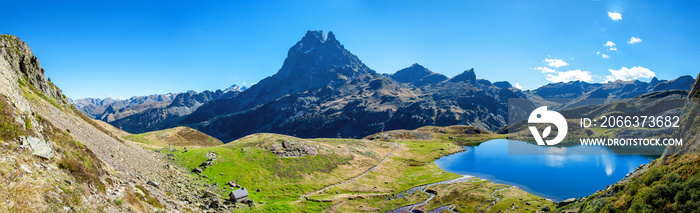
[(111, 129), (351, 174), (175, 137)]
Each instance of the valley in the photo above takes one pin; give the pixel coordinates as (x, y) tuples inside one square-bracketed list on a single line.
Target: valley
[(379, 173)]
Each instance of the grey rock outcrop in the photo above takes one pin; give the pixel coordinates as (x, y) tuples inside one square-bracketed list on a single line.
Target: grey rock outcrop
[(40, 147), (292, 148), (19, 57)]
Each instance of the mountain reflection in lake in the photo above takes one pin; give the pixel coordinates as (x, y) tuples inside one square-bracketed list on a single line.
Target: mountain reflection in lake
[(558, 173)]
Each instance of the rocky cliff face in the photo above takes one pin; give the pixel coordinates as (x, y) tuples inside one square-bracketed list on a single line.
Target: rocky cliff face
[(57, 159), (689, 128), (18, 58)]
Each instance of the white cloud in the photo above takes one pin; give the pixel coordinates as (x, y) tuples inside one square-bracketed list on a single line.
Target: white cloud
[(614, 16), (609, 44), (517, 85), (115, 97), (555, 62), (613, 49), (545, 69), (597, 53), (634, 40), (626, 74), (571, 75), (605, 56)]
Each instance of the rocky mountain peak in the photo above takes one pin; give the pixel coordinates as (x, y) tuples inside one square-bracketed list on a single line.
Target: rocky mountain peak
[(502, 84), (316, 53), (314, 35), (410, 74), (695, 90), (314, 62), (331, 37), (654, 81), (19, 57), (466, 76), (235, 88)]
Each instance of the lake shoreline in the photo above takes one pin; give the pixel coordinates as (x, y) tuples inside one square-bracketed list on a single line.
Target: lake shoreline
[(610, 169)]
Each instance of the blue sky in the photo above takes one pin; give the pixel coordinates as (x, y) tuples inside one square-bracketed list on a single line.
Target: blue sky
[(128, 48)]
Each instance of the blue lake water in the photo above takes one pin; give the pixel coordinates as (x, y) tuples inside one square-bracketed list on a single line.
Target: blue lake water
[(556, 177)]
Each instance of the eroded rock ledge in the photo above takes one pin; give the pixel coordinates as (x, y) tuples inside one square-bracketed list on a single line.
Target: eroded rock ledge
[(293, 148)]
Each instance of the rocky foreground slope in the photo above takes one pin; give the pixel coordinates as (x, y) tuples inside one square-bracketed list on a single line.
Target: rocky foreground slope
[(54, 158)]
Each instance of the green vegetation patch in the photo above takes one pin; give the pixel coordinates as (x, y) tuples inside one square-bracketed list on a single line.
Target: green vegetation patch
[(255, 168), (671, 184), (9, 128)]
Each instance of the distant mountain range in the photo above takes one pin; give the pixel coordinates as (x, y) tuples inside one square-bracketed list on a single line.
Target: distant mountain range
[(323, 90), (600, 93), (148, 113)]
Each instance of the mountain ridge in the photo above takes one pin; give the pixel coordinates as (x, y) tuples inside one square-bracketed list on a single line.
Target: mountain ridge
[(333, 88)]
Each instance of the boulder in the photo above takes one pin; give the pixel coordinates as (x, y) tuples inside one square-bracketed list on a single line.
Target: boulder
[(211, 156), (40, 147), (214, 204), (209, 194), (545, 209), (25, 168), (566, 202), (153, 183), (197, 170), (206, 163), (293, 148)]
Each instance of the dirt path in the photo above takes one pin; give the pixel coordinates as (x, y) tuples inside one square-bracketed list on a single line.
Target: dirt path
[(424, 188), (493, 194), (396, 146)]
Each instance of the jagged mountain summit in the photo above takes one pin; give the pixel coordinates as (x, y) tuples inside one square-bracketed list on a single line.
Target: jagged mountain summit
[(313, 62), (323, 90)]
